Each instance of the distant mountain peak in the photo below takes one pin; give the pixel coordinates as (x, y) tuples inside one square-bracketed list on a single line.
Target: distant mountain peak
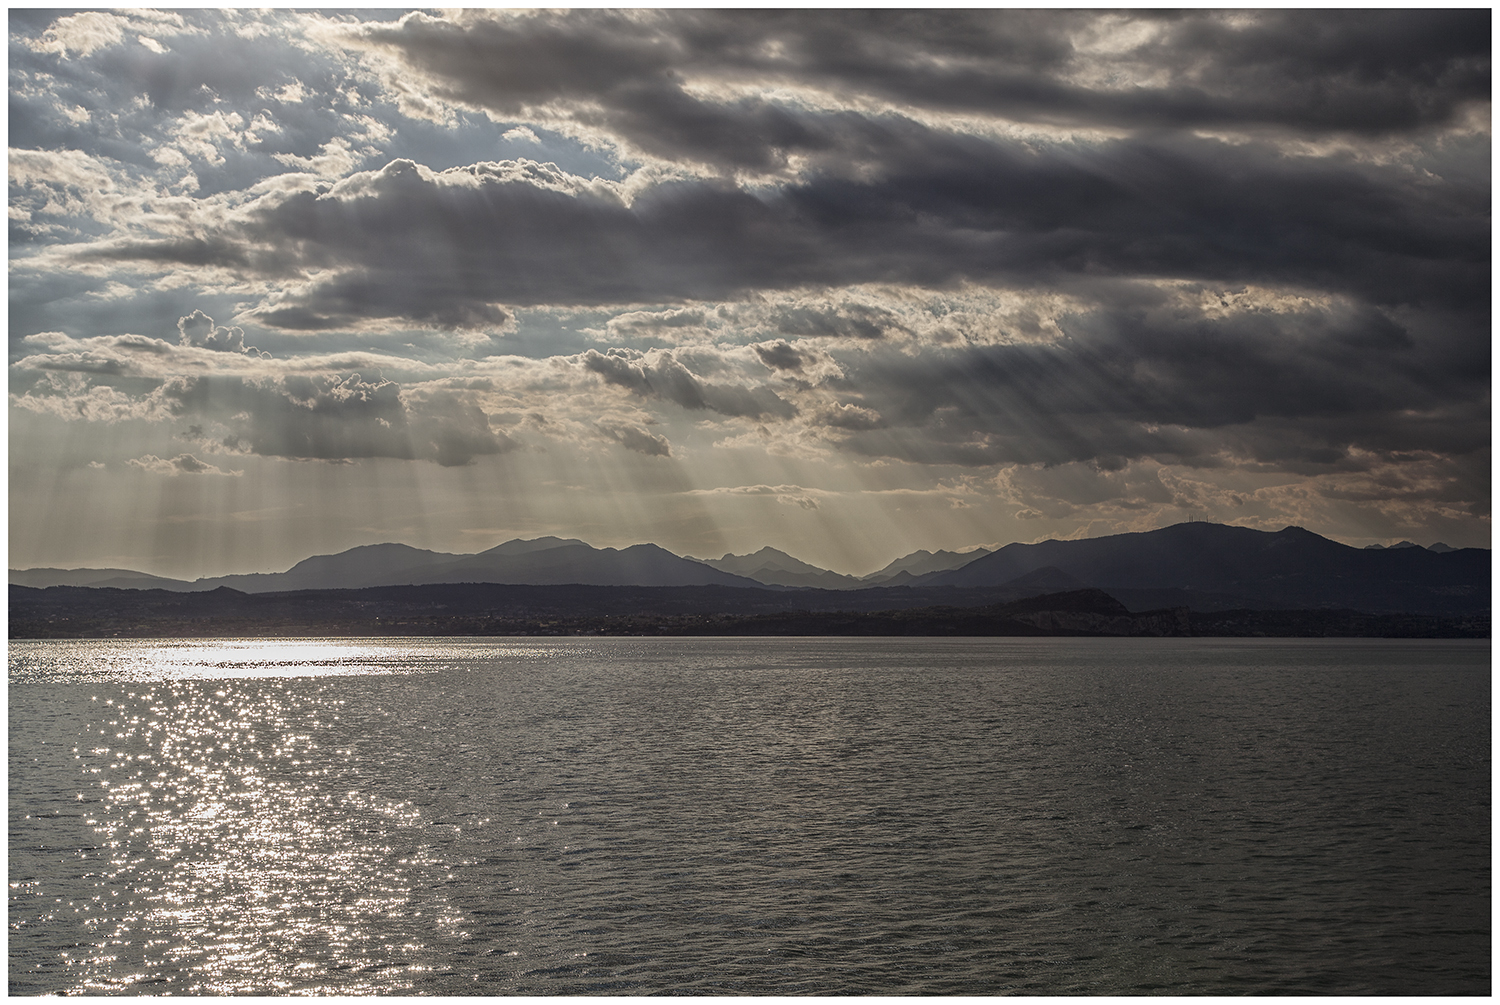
[(922, 562), (386, 550), (1439, 548), (770, 552), (526, 547), (765, 561)]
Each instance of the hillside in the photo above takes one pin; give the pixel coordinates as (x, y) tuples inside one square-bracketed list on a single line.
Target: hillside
[(1211, 566)]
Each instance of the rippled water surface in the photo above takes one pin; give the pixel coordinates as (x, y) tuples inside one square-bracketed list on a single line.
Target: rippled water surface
[(764, 816)]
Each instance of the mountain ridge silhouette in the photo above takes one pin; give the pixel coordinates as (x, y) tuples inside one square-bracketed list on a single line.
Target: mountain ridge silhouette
[(1201, 565)]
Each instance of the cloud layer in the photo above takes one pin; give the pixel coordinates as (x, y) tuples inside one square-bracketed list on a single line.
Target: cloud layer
[(1100, 269)]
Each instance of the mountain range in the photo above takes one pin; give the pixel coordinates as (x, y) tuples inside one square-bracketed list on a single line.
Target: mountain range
[(771, 567), (1202, 566), (538, 562), (543, 561), (1208, 566)]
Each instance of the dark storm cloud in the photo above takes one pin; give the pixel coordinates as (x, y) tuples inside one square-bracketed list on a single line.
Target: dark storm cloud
[(1156, 207), (929, 205), (334, 418), (219, 252), (425, 297), (449, 248), (629, 73), (1304, 392), (780, 356), (847, 416), (847, 321), (662, 376), (637, 439)]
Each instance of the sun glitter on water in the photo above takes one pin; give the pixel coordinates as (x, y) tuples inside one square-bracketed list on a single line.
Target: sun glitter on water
[(254, 658)]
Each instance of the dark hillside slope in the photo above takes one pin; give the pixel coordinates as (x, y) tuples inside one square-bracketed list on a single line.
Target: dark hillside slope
[(68, 611), (125, 579), (1292, 568), (544, 561), (638, 565), (491, 610)]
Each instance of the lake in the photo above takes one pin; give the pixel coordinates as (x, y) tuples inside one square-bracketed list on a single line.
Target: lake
[(758, 816)]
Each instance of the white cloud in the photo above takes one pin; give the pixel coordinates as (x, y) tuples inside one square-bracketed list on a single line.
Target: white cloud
[(82, 34), (201, 135), (86, 33), (336, 159), (182, 464), (170, 157), (60, 168)]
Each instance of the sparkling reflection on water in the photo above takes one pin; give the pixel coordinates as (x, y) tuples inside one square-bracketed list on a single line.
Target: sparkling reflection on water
[(782, 816)]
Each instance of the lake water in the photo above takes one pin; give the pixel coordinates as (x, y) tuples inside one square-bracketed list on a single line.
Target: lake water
[(782, 816)]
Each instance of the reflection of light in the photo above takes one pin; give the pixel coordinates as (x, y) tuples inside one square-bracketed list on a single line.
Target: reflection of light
[(229, 865), (240, 659)]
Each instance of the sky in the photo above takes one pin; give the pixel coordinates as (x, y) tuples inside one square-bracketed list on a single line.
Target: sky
[(845, 283)]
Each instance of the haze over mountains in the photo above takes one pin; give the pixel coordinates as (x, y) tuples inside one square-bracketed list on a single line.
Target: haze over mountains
[(776, 568), (1198, 565), (543, 561)]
